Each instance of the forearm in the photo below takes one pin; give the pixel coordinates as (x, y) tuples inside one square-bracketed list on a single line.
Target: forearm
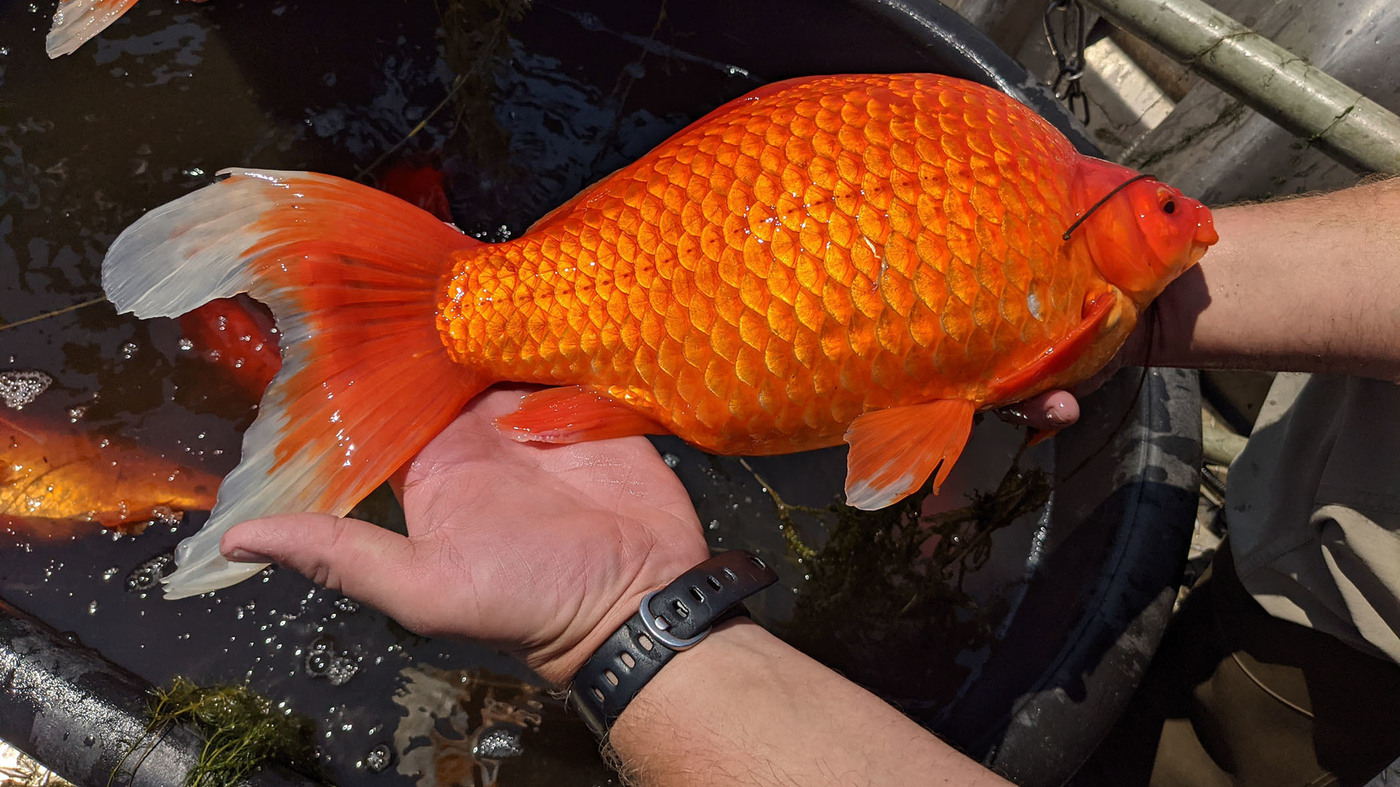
[(1307, 284), (743, 707)]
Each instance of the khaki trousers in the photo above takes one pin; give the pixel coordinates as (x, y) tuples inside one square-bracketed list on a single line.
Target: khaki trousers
[(1235, 696)]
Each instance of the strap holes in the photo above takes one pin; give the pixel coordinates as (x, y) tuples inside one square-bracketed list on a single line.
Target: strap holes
[(645, 642), (597, 693), (681, 609), (755, 560), (699, 597), (627, 659), (611, 676), (730, 575), (714, 584)]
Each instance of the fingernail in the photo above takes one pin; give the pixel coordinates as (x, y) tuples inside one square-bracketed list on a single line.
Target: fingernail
[(241, 555), (1056, 414)]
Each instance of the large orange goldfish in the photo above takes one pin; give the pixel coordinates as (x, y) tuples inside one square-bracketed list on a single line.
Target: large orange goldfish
[(867, 258), (76, 21)]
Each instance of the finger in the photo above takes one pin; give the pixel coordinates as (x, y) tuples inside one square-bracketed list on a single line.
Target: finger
[(1048, 411), (356, 558)]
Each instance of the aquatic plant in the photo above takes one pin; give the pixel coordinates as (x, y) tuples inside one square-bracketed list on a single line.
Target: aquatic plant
[(242, 731), (885, 590)]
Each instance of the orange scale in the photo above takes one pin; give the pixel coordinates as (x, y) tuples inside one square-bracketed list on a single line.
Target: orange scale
[(824, 144), (695, 346), (669, 229), (852, 141), (730, 268), (747, 169), (749, 368), (702, 314), (872, 223), (846, 197), (797, 153), (767, 188), (842, 232), (802, 126), (729, 307), (753, 292)]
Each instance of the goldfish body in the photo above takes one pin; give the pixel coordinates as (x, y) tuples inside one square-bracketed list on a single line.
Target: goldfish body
[(76, 21), (862, 258)]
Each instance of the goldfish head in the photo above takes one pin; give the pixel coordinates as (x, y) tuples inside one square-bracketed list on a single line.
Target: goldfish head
[(1144, 235)]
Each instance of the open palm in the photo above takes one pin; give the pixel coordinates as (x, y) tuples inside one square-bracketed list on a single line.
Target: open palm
[(545, 549)]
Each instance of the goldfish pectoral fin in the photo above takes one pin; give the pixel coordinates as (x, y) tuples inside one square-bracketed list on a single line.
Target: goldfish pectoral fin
[(1100, 311), (894, 450), (575, 414), (352, 276), (77, 21)]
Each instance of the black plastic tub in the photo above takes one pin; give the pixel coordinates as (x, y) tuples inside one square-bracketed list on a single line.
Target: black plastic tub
[(1069, 604)]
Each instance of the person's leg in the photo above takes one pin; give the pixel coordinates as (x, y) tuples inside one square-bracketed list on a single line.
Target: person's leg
[(1235, 696)]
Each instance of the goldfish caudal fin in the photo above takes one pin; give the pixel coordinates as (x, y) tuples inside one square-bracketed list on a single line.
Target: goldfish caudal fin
[(352, 276), (76, 21)]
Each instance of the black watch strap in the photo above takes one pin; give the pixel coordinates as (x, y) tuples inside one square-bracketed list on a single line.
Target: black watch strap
[(670, 620)]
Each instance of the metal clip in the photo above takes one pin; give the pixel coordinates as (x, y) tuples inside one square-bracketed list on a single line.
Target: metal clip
[(1068, 49)]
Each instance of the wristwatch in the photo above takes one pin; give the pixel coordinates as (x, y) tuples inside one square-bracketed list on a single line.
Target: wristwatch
[(667, 622)]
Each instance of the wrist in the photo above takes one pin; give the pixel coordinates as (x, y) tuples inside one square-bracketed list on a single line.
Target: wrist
[(668, 621)]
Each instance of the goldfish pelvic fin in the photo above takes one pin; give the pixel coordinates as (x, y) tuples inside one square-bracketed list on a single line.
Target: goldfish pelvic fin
[(575, 414), (894, 450), (1100, 311), (76, 21), (352, 276)]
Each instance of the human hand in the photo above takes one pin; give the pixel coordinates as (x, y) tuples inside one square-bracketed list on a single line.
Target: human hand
[(543, 549)]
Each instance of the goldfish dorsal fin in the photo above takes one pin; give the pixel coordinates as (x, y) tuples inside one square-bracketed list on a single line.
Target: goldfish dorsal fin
[(574, 414), (894, 450), (1101, 311), (352, 276), (77, 21)]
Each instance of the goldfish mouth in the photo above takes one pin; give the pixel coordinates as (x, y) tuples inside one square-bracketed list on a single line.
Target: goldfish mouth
[(1198, 250)]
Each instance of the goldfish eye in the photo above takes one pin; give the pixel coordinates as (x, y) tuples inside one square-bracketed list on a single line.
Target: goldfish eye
[(1169, 207)]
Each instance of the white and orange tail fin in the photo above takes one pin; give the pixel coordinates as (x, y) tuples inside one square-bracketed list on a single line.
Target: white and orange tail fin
[(76, 21), (352, 275)]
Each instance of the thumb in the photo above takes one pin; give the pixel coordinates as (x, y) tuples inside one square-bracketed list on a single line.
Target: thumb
[(356, 558)]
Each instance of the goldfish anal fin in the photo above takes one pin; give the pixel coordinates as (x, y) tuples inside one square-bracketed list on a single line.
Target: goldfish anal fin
[(894, 450), (77, 21), (1100, 310), (575, 414), (352, 276)]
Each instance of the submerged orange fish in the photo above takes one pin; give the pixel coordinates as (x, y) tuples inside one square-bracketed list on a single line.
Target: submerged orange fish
[(76, 21), (57, 482), (867, 258)]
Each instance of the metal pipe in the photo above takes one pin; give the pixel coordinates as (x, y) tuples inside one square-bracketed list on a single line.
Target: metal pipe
[(1278, 84), (85, 718)]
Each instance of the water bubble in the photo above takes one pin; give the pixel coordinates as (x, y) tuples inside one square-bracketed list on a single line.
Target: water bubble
[(341, 671), (378, 759), (109, 573), (347, 605), (75, 414), (129, 350), (498, 743), (146, 576), (672, 461), (192, 172), (714, 524), (186, 345), (19, 388), (92, 608)]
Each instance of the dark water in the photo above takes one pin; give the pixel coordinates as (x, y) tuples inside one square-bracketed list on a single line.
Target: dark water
[(172, 93)]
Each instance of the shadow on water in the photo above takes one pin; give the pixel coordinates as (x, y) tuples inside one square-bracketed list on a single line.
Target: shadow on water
[(172, 93)]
